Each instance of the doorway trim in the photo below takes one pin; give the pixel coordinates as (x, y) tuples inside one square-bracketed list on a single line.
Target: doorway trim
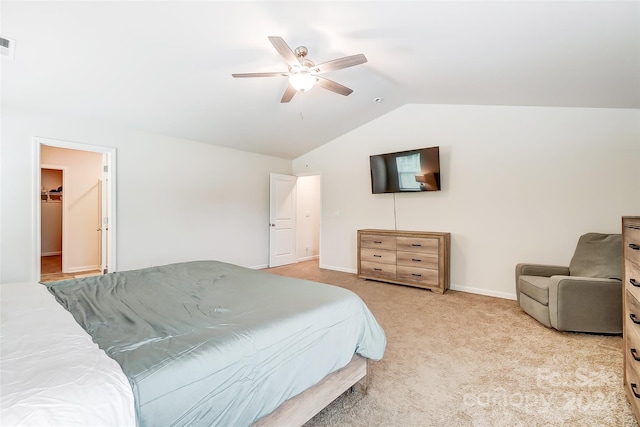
[(110, 157)]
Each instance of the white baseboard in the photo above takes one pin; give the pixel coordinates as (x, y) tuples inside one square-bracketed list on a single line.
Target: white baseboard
[(82, 268), (478, 291), (344, 270), (51, 253), (259, 267), (95, 273), (468, 289)]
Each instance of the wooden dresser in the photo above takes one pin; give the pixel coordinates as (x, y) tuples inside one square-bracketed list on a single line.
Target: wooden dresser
[(412, 258), (631, 305)]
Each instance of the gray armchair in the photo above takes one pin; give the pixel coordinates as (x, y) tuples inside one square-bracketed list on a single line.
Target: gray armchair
[(586, 296)]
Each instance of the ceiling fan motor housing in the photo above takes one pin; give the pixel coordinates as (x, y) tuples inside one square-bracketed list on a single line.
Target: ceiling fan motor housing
[(301, 51)]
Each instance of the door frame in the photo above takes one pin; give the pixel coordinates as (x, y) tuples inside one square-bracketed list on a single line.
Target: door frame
[(110, 158)]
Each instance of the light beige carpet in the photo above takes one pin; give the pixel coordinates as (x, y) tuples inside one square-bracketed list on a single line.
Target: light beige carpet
[(461, 359)]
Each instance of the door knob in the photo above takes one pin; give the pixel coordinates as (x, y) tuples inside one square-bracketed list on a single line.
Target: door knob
[(273, 225)]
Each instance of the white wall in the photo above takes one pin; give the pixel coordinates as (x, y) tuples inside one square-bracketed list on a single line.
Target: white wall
[(177, 200), (520, 184), (308, 217)]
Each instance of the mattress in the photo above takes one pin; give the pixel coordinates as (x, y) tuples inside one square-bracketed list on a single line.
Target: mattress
[(210, 343), (51, 372)]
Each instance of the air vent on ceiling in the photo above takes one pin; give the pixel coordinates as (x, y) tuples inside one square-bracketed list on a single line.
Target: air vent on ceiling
[(7, 47)]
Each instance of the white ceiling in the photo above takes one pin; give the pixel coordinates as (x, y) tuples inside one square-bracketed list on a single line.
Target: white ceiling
[(165, 67)]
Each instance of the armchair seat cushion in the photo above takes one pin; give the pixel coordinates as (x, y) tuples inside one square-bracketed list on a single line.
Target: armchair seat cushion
[(536, 287)]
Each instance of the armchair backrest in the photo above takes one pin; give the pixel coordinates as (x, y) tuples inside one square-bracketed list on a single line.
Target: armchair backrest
[(598, 255)]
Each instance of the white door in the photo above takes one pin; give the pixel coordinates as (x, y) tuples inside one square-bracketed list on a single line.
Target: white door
[(282, 219)]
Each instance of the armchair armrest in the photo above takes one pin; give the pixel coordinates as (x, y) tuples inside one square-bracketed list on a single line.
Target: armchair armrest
[(585, 304), (540, 270), (537, 270)]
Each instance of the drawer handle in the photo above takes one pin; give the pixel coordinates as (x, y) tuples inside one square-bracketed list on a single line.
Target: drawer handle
[(634, 319), (377, 269), (634, 246), (635, 355), (377, 256), (416, 274), (419, 260), (416, 244), (634, 282), (377, 241), (633, 389)]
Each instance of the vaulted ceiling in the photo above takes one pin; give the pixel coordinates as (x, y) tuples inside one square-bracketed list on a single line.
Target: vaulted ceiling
[(165, 67)]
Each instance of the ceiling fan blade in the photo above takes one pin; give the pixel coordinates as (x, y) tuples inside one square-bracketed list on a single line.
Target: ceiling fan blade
[(288, 94), (284, 50), (333, 86), (340, 63), (273, 74)]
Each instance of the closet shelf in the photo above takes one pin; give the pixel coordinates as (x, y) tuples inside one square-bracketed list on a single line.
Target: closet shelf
[(51, 196)]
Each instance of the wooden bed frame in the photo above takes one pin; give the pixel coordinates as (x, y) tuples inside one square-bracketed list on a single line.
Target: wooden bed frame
[(301, 408)]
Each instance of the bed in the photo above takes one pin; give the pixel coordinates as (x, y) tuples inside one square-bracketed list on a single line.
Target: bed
[(196, 343)]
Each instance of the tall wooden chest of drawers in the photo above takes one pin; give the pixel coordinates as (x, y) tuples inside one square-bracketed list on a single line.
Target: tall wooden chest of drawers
[(631, 307), (412, 258)]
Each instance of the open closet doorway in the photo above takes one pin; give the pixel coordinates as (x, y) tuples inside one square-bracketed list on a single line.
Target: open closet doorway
[(75, 221), (51, 208), (294, 219), (308, 207)]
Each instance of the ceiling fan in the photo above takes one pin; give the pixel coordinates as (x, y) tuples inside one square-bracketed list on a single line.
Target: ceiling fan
[(303, 73)]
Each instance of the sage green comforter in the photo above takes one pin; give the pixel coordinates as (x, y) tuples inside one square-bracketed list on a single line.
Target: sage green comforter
[(210, 343)]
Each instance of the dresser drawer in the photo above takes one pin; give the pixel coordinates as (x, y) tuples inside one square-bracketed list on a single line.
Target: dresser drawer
[(632, 382), (420, 276), (378, 241), (632, 243), (631, 312), (425, 245), (632, 278), (378, 255), (632, 307), (378, 270), (632, 338), (413, 259)]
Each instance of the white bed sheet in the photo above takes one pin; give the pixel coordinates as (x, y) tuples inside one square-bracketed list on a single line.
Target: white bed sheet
[(51, 372)]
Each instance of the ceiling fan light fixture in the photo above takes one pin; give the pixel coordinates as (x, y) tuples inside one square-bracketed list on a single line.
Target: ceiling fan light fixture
[(303, 73), (302, 81)]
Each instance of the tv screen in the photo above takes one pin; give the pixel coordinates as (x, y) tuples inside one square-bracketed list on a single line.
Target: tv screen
[(406, 171)]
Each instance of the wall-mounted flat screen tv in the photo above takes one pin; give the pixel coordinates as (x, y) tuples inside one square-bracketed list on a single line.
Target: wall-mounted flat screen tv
[(406, 171)]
